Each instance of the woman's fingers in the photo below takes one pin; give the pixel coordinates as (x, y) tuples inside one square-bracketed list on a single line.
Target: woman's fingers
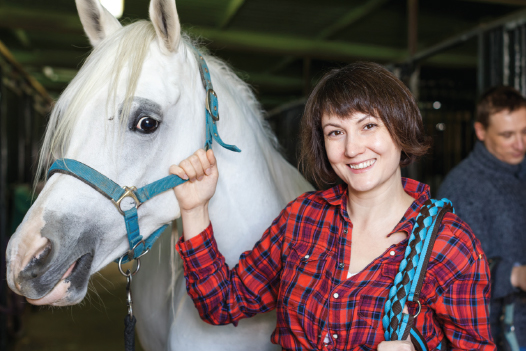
[(177, 170), (189, 169), (211, 160), (195, 166), (204, 163)]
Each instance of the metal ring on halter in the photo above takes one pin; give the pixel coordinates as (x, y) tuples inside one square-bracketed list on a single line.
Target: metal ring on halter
[(129, 192), (136, 269), (136, 258), (419, 309)]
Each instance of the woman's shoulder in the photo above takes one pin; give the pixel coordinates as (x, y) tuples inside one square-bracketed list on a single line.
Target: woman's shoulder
[(333, 195), (455, 250)]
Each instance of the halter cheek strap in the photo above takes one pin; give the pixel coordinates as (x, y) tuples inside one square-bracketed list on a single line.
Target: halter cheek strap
[(211, 105), (116, 193)]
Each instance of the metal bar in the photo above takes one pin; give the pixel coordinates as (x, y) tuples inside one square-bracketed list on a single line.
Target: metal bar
[(512, 20), (481, 63), (3, 218), (505, 58), (306, 76), (350, 17), (412, 26), (33, 82)]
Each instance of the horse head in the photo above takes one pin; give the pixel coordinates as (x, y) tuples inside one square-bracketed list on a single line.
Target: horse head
[(135, 107)]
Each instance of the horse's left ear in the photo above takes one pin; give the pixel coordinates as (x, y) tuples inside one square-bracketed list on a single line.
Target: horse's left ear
[(163, 15)]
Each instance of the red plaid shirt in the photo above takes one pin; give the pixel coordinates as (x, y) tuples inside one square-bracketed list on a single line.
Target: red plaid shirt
[(300, 266)]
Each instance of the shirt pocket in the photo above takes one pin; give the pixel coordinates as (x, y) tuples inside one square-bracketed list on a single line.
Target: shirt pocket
[(304, 275), (372, 302)]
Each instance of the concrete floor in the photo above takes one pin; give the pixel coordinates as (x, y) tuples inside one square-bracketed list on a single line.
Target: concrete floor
[(96, 324)]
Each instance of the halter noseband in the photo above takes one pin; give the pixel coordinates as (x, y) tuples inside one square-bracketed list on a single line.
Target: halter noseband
[(116, 193)]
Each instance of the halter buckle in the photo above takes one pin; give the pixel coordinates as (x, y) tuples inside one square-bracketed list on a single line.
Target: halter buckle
[(215, 116), (129, 192)]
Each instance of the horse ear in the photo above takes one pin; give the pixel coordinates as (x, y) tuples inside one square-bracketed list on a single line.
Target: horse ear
[(163, 15), (98, 23)]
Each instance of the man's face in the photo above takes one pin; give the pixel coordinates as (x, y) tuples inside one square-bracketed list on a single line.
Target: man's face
[(505, 136)]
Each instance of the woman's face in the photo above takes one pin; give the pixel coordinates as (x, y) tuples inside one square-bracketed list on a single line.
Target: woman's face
[(361, 151)]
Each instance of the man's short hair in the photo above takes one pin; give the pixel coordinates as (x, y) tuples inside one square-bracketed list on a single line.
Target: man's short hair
[(497, 99)]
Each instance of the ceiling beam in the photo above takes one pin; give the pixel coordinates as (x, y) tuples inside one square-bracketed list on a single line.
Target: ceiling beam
[(258, 42), (62, 76), (57, 58), (350, 17), (237, 40), (231, 10), (502, 2), (316, 49), (14, 17), (343, 22)]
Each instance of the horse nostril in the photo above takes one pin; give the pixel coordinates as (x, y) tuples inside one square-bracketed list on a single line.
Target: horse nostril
[(44, 252), (40, 257)]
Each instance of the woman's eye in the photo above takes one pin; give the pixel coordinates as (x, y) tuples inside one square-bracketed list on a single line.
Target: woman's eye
[(369, 126), (335, 133), (147, 124)]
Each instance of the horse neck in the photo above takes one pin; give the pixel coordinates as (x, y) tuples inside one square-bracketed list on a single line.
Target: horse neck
[(246, 125)]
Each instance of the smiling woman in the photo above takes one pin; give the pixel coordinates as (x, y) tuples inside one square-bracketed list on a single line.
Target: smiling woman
[(328, 262), (370, 90)]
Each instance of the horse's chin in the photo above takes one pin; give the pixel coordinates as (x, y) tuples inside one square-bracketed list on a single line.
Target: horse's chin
[(57, 297), (71, 288)]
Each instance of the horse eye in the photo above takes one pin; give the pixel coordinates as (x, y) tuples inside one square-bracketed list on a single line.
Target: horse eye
[(147, 124)]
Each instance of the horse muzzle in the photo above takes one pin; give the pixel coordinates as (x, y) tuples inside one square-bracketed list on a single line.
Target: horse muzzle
[(47, 270)]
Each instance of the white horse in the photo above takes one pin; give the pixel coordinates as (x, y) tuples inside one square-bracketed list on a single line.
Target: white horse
[(135, 108)]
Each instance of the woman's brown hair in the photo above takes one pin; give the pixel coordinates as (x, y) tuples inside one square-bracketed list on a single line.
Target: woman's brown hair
[(367, 88)]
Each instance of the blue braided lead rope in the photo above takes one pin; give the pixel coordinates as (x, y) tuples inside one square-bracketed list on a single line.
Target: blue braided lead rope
[(404, 286)]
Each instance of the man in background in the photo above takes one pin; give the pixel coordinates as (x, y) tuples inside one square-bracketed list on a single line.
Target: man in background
[(488, 191)]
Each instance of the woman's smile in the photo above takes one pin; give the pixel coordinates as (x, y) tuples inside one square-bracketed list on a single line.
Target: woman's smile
[(363, 166)]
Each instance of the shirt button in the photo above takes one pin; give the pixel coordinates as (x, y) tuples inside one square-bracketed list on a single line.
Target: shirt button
[(336, 295), (345, 231), (335, 336), (307, 256), (392, 253), (341, 265)]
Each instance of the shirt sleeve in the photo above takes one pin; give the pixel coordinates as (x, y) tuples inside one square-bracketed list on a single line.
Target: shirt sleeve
[(462, 288), (224, 296)]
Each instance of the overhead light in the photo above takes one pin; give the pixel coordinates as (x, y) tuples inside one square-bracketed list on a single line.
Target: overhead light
[(115, 7)]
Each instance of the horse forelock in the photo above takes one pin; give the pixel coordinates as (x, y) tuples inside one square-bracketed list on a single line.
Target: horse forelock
[(127, 47)]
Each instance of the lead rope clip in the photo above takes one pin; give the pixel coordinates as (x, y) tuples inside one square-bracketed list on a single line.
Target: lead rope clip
[(129, 320), (129, 301)]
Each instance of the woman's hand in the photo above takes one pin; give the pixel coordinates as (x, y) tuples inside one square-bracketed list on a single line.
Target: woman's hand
[(200, 169), (405, 345)]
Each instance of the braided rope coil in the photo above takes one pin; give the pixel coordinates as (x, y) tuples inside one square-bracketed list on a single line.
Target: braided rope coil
[(394, 321)]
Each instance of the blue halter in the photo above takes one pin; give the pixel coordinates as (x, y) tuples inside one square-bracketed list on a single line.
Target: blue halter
[(116, 193)]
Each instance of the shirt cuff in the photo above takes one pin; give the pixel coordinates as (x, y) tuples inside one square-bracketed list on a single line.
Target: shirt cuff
[(200, 255)]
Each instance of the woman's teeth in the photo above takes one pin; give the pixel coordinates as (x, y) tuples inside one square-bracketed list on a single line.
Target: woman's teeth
[(363, 165)]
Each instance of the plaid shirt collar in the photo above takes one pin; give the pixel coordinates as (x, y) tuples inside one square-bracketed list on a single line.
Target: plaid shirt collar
[(338, 195)]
